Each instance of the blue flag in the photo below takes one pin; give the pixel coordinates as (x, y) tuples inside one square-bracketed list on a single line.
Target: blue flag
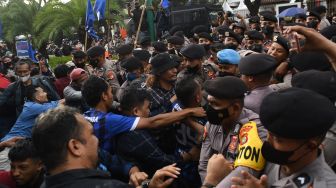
[(90, 18), (99, 8), (165, 4)]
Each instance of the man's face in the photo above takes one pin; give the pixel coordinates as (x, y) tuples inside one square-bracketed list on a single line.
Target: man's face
[(229, 68), (22, 70), (192, 63), (300, 20), (169, 75), (230, 40), (249, 43), (311, 18), (254, 26), (238, 30), (41, 95), (79, 62), (278, 52), (108, 97), (26, 171), (90, 141), (204, 41), (143, 110), (267, 23)]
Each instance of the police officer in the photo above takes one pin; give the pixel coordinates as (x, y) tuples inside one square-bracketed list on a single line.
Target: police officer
[(100, 67), (313, 19), (297, 121), (301, 18), (193, 56), (226, 118), (239, 28), (254, 23), (175, 44), (254, 41), (268, 24), (228, 61), (256, 71), (232, 40)]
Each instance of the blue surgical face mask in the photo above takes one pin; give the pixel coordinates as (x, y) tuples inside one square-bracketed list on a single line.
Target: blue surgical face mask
[(131, 76)]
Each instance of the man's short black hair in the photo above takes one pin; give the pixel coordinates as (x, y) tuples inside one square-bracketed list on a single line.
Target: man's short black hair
[(31, 92), (133, 97), (185, 90), (61, 71), (51, 135), (23, 150), (23, 62), (93, 89)]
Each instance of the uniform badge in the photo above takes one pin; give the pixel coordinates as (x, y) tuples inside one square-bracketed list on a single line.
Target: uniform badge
[(246, 37), (275, 38), (301, 179), (307, 14), (109, 75), (262, 18), (233, 144), (227, 34)]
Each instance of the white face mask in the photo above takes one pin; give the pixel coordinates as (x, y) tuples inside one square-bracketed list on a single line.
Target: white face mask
[(24, 78)]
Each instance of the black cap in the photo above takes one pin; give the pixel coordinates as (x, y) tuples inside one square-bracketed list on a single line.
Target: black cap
[(301, 16), (230, 33), (222, 29), (145, 40), (161, 63), (142, 55), (268, 17), (193, 51), (282, 41), (322, 82), (131, 64), (176, 58), (256, 64), (314, 14), (95, 51), (160, 46), (124, 49), (253, 35), (175, 40), (228, 87), (329, 32), (309, 60), (174, 29), (320, 9), (254, 19), (179, 34), (200, 28), (206, 36), (240, 25), (78, 54), (297, 113)]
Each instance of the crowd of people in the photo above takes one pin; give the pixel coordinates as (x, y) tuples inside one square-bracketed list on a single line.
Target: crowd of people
[(241, 104)]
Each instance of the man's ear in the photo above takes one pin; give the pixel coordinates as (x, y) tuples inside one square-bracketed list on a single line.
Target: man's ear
[(104, 96), (136, 111), (250, 78), (75, 148)]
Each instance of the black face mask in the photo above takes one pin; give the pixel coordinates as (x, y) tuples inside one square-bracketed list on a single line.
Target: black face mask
[(206, 47), (268, 30), (312, 24), (231, 46), (80, 65), (193, 69), (223, 74), (276, 156), (216, 117), (256, 48), (94, 62), (172, 51)]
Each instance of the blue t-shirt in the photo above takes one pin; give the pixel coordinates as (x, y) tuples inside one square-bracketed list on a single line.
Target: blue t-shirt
[(107, 125), (26, 120)]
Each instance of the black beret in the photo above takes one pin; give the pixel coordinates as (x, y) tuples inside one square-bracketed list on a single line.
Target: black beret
[(309, 60), (268, 17), (95, 51), (329, 32), (297, 113), (175, 40), (217, 46), (222, 29), (124, 49), (160, 46), (314, 14), (254, 19), (179, 34), (320, 9), (176, 58), (78, 54), (193, 51), (322, 82), (174, 29), (301, 16), (253, 35), (228, 87), (230, 33), (200, 28), (143, 55), (282, 41), (240, 25), (145, 40), (131, 64), (205, 35), (256, 64), (161, 63)]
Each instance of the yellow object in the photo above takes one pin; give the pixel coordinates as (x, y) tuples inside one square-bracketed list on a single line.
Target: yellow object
[(250, 144)]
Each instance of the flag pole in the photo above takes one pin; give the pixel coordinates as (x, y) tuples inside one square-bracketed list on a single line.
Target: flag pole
[(140, 23), (86, 40)]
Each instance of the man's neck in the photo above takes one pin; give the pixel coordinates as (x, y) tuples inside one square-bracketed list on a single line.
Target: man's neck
[(101, 107), (306, 160), (165, 85), (29, 82)]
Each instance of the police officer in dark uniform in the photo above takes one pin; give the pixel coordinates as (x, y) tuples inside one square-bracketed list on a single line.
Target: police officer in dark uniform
[(256, 71), (297, 121), (100, 67), (175, 44), (254, 41), (268, 24), (193, 55)]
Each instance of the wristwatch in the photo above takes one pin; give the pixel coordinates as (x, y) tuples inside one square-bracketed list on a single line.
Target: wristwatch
[(208, 185), (145, 184)]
